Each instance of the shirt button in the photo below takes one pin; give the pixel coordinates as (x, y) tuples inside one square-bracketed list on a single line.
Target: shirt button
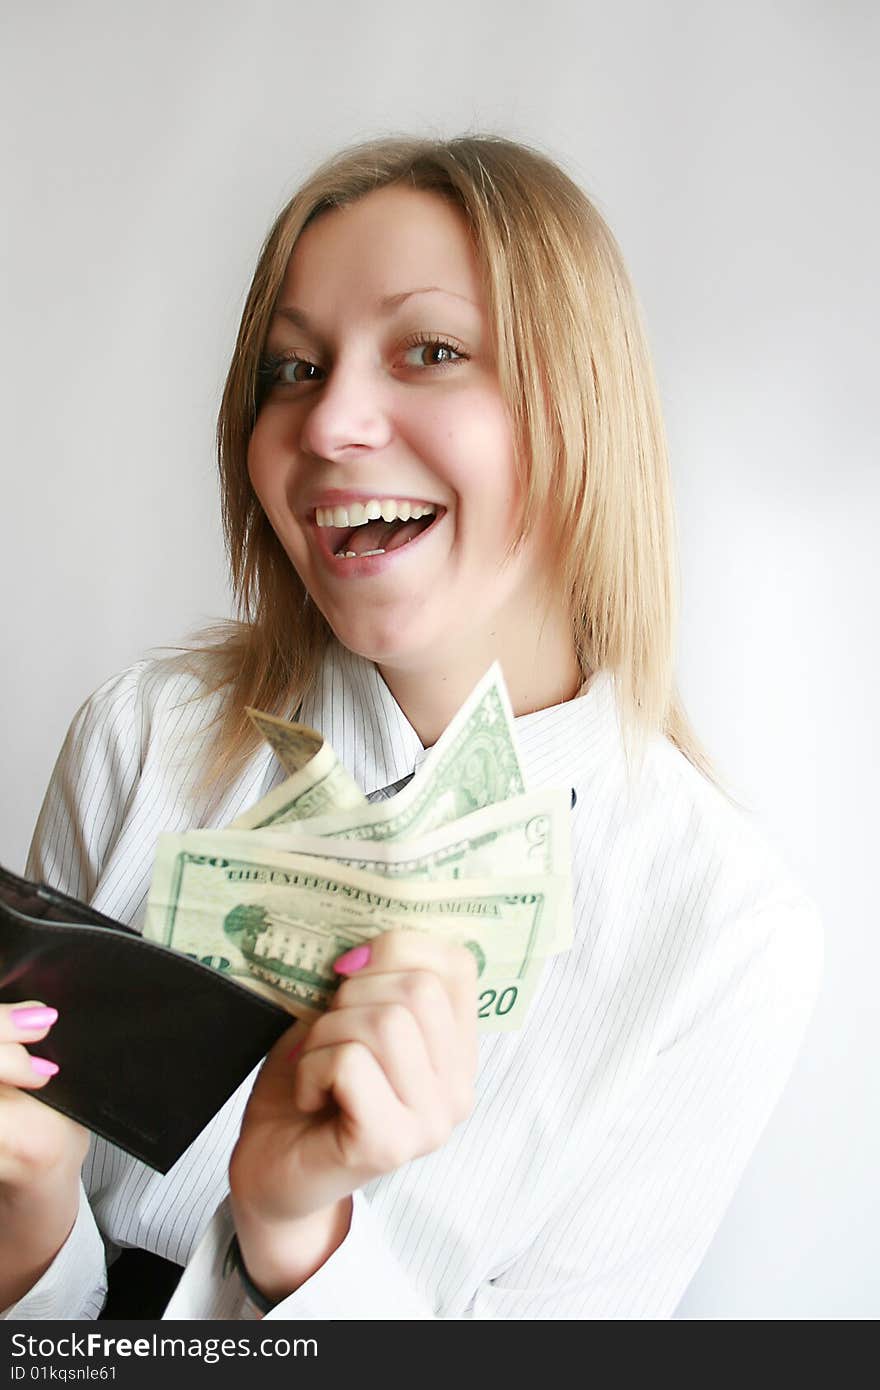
[(574, 797)]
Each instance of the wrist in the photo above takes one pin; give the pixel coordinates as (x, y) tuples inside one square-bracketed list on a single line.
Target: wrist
[(34, 1225), (278, 1257)]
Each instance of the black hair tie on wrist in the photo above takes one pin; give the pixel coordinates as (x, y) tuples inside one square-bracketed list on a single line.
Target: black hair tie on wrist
[(234, 1261)]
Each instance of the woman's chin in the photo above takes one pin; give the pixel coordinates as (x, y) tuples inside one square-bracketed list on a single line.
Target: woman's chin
[(390, 642)]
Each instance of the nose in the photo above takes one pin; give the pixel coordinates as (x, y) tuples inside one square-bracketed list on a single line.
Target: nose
[(348, 413)]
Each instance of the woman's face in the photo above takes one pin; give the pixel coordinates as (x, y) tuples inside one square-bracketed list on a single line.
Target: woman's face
[(363, 410)]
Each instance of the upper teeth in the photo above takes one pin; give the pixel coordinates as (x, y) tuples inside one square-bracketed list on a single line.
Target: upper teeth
[(386, 508)]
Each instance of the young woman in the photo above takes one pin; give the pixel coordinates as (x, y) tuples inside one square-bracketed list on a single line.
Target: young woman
[(443, 332)]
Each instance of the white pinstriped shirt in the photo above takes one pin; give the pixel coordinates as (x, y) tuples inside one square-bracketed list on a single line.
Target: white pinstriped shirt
[(608, 1135)]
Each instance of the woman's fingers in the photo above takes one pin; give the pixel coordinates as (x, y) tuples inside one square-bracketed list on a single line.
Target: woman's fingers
[(19, 1068), (390, 1033), (372, 1132), (436, 981), (414, 950), (421, 992), (25, 1022), (409, 1001), (20, 1024), (398, 951)]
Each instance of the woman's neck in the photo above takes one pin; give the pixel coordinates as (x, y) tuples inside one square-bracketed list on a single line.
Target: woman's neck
[(539, 673)]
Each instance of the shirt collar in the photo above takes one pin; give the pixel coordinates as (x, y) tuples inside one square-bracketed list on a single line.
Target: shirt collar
[(359, 717), (353, 708)]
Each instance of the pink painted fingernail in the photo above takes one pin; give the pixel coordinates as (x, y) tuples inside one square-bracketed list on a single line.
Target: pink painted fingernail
[(353, 960), (43, 1067), (35, 1017), (296, 1051)]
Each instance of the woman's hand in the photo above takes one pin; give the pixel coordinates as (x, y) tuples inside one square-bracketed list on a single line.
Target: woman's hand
[(384, 1076), (41, 1153)]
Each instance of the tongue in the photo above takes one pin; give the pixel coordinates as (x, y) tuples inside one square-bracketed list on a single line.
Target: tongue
[(384, 535), (405, 531)]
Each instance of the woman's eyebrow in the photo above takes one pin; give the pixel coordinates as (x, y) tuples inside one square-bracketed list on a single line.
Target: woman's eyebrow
[(386, 305)]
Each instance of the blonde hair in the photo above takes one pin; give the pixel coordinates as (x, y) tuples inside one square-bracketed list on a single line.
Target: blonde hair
[(576, 373)]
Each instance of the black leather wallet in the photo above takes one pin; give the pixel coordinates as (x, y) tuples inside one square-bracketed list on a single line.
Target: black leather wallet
[(150, 1044)]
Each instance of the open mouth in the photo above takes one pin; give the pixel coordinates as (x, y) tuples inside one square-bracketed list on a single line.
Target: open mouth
[(374, 537)]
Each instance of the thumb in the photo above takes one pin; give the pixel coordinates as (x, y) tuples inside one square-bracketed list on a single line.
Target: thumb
[(274, 1083)]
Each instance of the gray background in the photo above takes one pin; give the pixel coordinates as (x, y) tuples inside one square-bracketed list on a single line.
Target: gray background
[(731, 148)]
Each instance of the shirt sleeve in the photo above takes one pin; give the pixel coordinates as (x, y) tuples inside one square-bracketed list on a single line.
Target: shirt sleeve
[(83, 809), (75, 1284), (630, 1231), (361, 1279), (629, 1235), (89, 790)]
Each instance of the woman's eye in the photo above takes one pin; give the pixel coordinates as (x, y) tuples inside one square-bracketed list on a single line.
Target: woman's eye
[(284, 370), (450, 354)]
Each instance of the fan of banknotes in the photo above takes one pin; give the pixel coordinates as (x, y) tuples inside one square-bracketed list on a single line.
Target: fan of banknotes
[(314, 868)]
